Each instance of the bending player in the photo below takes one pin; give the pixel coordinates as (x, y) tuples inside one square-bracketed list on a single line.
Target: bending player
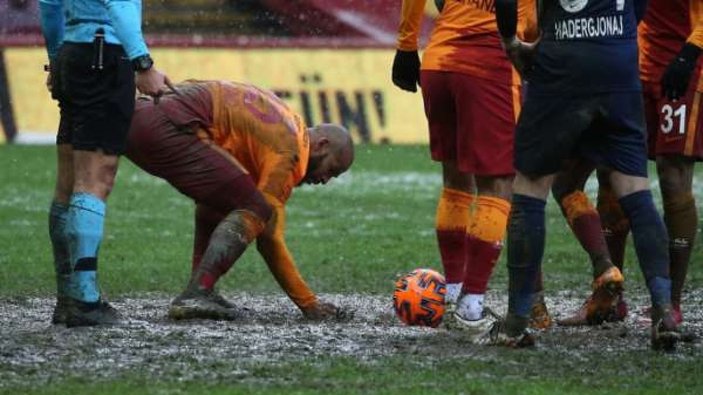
[(237, 151)]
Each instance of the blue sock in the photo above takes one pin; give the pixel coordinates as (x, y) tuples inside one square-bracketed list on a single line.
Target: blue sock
[(58, 215), (651, 244), (86, 217), (526, 233)]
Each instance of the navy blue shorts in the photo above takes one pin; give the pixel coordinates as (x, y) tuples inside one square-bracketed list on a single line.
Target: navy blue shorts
[(608, 129)]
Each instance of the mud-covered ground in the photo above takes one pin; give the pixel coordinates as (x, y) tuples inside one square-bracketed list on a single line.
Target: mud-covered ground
[(33, 352)]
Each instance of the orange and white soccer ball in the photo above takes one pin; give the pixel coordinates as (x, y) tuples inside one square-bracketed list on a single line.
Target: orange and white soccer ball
[(419, 298)]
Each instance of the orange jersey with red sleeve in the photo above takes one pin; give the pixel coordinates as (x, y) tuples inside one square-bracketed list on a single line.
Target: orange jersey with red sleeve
[(271, 142), (258, 129), (465, 37), (666, 27)]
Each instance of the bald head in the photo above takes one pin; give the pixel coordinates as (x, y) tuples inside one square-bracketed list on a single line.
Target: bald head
[(331, 153)]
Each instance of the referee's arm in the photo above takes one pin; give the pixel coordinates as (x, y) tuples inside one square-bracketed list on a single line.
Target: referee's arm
[(126, 17), (52, 25)]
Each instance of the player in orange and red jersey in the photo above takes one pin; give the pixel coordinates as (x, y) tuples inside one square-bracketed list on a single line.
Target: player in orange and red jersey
[(237, 151), (472, 99), (670, 41)]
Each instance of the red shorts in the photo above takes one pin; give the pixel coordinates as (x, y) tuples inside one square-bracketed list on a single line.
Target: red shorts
[(674, 128), (471, 121), (198, 169)]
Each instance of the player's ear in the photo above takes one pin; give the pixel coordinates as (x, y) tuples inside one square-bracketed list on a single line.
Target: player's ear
[(322, 144)]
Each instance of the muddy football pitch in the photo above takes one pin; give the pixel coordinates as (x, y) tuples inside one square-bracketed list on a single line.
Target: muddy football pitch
[(351, 239)]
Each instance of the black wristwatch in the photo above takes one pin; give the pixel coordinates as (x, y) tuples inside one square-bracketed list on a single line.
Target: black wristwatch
[(142, 63)]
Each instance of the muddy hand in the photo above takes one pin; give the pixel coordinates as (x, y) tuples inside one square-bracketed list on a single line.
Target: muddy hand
[(326, 311)]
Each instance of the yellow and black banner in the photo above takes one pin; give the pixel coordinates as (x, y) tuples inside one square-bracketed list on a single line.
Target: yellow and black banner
[(347, 86)]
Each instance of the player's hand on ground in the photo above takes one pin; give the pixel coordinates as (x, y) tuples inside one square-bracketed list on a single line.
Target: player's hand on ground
[(521, 54), (152, 82), (677, 75), (406, 70), (326, 311)]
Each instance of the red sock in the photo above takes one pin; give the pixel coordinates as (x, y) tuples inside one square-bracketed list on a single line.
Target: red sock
[(206, 220), (615, 225), (484, 242), (585, 223), (451, 222)]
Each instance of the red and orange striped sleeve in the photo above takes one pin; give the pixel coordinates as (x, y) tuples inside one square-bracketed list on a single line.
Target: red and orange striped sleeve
[(272, 247), (410, 24)]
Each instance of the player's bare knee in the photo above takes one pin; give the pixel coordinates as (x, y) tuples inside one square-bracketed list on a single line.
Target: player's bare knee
[(258, 206), (454, 178), (624, 184), (497, 186), (536, 186)]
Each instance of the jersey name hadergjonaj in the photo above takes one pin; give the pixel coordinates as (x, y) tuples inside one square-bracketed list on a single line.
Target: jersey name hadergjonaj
[(588, 46)]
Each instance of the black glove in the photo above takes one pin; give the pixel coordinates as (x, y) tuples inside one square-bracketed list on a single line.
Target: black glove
[(406, 70), (678, 74)]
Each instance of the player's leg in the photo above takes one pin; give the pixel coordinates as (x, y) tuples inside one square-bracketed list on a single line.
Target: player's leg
[(681, 219), (585, 223), (230, 211), (483, 145), (651, 245), (453, 215), (580, 214), (58, 215), (101, 112), (625, 152), (679, 143), (58, 211), (206, 221), (453, 218), (485, 242), (547, 133)]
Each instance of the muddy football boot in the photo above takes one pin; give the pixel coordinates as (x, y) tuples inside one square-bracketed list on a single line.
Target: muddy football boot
[(497, 336), (99, 313), (539, 315), (602, 305), (197, 303), (665, 331), (472, 328), (675, 310), (58, 317), (219, 299)]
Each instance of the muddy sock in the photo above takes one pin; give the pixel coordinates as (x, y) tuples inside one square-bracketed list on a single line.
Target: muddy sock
[(58, 215), (526, 236), (585, 223), (651, 244), (615, 225), (84, 227), (681, 218), (206, 220), (452, 219), (227, 243), (515, 325)]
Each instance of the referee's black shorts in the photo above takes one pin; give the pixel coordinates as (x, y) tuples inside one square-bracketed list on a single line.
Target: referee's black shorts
[(96, 104)]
